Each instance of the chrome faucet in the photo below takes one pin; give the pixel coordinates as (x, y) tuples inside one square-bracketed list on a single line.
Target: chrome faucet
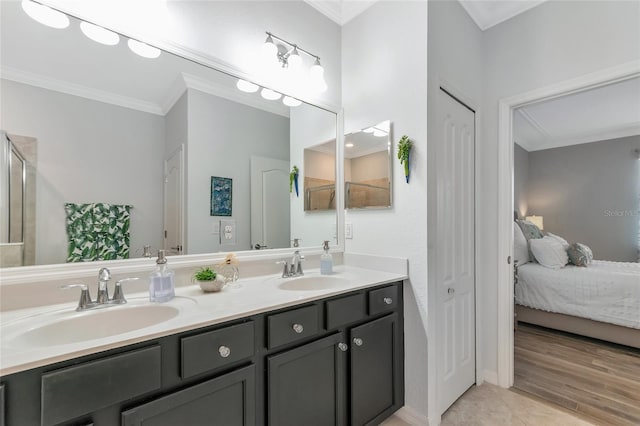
[(102, 301), (295, 269)]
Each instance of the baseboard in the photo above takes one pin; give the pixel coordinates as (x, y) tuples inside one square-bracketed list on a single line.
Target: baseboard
[(411, 416), (490, 377)]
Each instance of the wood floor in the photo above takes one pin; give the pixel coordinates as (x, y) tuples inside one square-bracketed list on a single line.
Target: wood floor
[(595, 379)]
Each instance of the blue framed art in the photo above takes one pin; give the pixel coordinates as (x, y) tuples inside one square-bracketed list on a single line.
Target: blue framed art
[(221, 196)]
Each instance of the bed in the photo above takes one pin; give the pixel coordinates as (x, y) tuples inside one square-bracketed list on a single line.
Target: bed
[(601, 300)]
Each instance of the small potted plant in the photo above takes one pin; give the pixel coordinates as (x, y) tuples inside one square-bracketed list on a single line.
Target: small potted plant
[(207, 279), (404, 154)]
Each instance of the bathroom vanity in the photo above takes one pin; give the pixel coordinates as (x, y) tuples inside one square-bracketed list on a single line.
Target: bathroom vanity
[(327, 356)]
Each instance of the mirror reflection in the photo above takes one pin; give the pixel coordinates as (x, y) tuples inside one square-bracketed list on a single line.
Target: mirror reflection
[(130, 145), (367, 167), (320, 177)]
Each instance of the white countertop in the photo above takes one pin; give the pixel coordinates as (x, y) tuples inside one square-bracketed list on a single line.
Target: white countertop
[(197, 309)]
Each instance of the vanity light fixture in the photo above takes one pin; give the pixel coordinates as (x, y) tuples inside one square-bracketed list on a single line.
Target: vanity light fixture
[(143, 49), (247, 86), (99, 34), (287, 55), (45, 15), (291, 102), (270, 95)]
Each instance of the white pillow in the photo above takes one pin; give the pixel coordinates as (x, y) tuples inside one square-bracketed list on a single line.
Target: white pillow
[(520, 248), (559, 239), (549, 252)]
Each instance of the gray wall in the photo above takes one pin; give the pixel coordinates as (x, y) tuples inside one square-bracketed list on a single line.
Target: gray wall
[(590, 193), (88, 151), (222, 137), (520, 179)]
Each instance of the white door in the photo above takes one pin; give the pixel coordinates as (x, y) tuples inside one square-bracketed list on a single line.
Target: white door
[(270, 203), (455, 325), (173, 203)]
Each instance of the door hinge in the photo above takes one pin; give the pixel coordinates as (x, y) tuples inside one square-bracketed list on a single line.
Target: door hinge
[(165, 233)]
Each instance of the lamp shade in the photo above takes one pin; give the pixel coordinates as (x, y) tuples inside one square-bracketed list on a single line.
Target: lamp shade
[(536, 220)]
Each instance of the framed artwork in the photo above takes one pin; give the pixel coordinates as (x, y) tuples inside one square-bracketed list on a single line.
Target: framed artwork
[(221, 196)]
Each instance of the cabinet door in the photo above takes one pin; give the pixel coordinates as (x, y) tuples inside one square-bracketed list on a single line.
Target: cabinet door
[(376, 369), (228, 400), (307, 385)]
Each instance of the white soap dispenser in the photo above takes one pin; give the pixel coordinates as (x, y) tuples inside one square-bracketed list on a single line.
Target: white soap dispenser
[(326, 260), (161, 283)]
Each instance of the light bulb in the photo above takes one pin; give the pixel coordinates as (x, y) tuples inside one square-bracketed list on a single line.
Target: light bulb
[(269, 50), (143, 49), (99, 34), (45, 15), (291, 102), (247, 86), (270, 94), (294, 60), (348, 145), (316, 74)]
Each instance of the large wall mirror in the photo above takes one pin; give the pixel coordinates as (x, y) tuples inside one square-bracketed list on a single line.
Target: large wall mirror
[(155, 151), (367, 167)]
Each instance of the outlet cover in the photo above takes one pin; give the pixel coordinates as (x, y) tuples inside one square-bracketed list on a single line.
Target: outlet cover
[(227, 232)]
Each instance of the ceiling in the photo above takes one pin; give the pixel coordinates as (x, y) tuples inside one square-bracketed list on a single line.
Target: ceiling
[(487, 13), (341, 11), (606, 112)]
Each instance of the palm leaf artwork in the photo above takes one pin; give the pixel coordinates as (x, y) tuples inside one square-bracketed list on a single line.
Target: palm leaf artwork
[(97, 231)]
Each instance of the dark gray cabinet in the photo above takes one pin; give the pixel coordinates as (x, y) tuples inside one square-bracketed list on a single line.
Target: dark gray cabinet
[(376, 370), (333, 361), (307, 385), (228, 400)]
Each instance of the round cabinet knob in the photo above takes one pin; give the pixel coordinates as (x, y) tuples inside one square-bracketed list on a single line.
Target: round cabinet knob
[(451, 290), (357, 341), (343, 346), (224, 351), (298, 328), (387, 300)]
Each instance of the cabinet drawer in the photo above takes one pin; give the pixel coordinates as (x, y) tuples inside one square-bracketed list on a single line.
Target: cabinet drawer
[(292, 325), (383, 299), (75, 391), (345, 310), (214, 349)]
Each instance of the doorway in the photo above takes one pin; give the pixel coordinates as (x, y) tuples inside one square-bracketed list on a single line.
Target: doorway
[(506, 108), (455, 250), (174, 203)]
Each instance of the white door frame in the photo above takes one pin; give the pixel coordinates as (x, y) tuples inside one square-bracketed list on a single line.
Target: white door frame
[(432, 383), (506, 107)]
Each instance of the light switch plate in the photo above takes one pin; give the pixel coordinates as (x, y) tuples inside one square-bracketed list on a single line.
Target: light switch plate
[(348, 230), (227, 232), (215, 228)]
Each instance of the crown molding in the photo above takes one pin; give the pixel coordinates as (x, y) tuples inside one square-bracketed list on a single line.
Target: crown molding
[(37, 80), (578, 138), (254, 100)]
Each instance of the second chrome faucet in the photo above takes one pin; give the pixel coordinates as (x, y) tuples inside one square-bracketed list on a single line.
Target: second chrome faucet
[(295, 269)]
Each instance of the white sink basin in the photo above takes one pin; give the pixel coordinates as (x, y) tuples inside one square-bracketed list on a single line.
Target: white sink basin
[(313, 282), (64, 327)]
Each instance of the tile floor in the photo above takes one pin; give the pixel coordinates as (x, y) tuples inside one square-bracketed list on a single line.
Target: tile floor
[(490, 405)]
